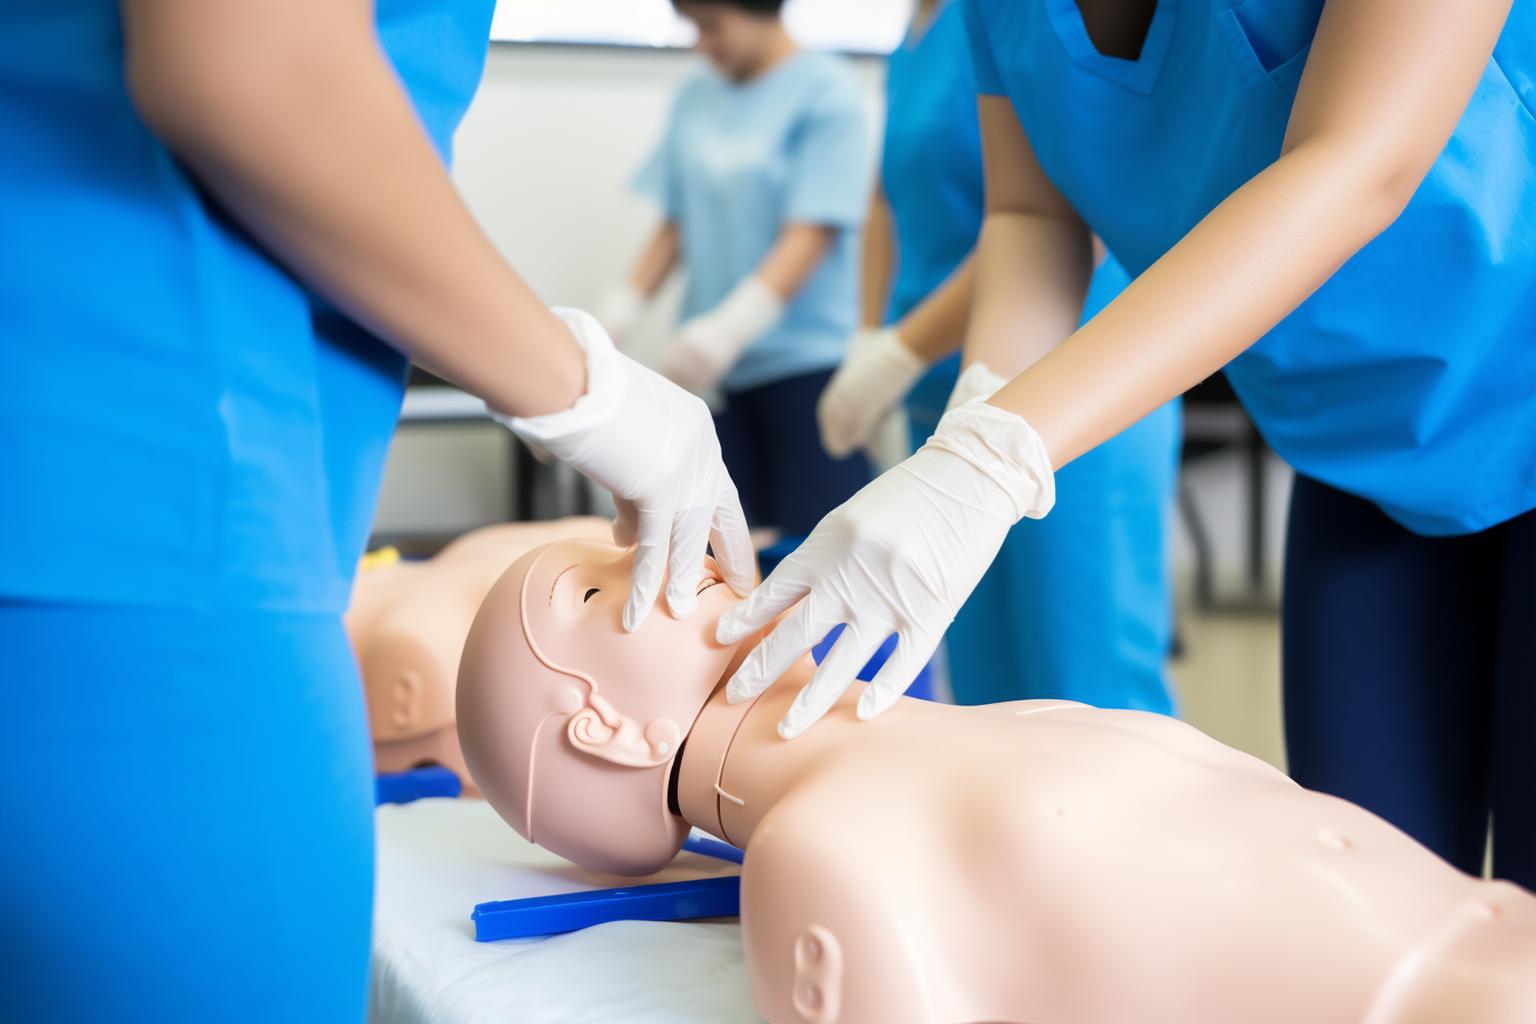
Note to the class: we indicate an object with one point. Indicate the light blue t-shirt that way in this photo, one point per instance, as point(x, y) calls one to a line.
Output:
point(737, 163)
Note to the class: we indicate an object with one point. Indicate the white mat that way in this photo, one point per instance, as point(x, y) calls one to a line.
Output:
point(438, 858)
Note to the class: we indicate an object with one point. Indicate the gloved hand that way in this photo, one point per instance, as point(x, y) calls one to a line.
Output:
point(976, 381)
point(876, 373)
point(619, 310)
point(654, 446)
point(709, 345)
point(900, 556)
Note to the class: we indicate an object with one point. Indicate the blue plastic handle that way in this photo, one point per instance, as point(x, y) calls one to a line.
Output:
point(403, 787)
point(707, 847)
point(573, 911)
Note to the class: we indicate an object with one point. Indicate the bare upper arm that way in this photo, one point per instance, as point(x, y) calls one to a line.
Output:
point(1387, 80)
point(191, 59)
point(1016, 183)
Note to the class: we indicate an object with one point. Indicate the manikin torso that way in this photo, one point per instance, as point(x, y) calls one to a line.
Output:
point(1033, 862)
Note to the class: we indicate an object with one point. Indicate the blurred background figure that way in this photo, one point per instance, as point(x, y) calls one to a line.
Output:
point(1078, 605)
point(760, 177)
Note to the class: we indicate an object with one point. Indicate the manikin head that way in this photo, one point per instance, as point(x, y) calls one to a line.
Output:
point(569, 725)
point(740, 38)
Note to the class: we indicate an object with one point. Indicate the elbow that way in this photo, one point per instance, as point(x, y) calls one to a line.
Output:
point(1372, 183)
point(200, 99)
point(171, 93)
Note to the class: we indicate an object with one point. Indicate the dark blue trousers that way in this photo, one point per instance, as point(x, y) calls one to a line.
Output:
point(769, 440)
point(1410, 674)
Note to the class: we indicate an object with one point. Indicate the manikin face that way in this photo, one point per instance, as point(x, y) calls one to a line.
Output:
point(583, 586)
point(570, 725)
point(733, 40)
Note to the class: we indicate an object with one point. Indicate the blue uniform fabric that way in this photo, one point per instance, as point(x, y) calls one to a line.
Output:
point(192, 444)
point(1405, 379)
point(739, 161)
point(189, 817)
point(1077, 605)
point(930, 171)
point(1409, 670)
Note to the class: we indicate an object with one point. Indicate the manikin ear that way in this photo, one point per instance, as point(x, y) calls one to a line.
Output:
point(616, 738)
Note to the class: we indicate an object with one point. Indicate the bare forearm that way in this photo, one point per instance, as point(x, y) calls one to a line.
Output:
point(310, 141)
point(877, 262)
point(936, 326)
point(657, 260)
point(794, 257)
point(1239, 272)
point(1032, 273)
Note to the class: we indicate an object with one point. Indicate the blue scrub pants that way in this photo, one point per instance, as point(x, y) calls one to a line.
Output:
point(1410, 674)
point(1079, 605)
point(769, 440)
point(186, 802)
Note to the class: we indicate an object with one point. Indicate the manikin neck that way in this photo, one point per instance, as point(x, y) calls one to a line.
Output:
point(705, 799)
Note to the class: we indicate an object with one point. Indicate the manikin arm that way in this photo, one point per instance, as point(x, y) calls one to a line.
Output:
point(1384, 86)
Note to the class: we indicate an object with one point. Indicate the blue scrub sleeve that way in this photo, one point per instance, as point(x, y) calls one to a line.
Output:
point(829, 164)
point(988, 81)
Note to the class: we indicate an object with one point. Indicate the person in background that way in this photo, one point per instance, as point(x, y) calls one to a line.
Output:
point(225, 228)
point(1078, 606)
point(761, 177)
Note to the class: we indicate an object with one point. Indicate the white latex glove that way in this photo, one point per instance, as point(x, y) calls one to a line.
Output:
point(653, 445)
point(900, 556)
point(709, 345)
point(620, 309)
point(876, 373)
point(976, 381)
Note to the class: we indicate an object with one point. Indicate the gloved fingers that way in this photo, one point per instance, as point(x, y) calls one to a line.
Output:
point(783, 587)
point(685, 561)
point(653, 531)
point(898, 672)
point(832, 420)
point(732, 542)
point(837, 670)
point(772, 658)
point(626, 523)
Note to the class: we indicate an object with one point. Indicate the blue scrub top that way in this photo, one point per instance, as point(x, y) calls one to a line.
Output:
point(1408, 378)
point(930, 169)
point(739, 161)
point(182, 423)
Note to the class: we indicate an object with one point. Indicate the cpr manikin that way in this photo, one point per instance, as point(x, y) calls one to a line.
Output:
point(407, 621)
point(1038, 861)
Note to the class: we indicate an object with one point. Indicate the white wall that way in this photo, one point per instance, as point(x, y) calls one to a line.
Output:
point(545, 157)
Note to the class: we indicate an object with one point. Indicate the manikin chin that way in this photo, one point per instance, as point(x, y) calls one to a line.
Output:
point(1039, 861)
